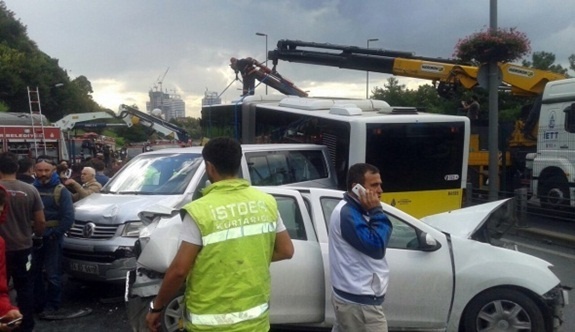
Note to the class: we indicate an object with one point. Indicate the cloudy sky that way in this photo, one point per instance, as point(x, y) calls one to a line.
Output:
point(125, 46)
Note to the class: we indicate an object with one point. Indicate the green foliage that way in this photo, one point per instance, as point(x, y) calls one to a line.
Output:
point(506, 115)
point(425, 97)
point(191, 125)
point(24, 65)
point(3, 107)
point(544, 61)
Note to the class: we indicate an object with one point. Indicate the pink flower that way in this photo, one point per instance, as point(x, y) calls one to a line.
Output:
point(503, 45)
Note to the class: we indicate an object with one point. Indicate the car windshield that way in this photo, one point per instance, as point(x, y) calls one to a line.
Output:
point(155, 174)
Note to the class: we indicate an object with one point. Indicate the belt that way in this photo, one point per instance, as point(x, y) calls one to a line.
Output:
point(52, 223)
point(361, 299)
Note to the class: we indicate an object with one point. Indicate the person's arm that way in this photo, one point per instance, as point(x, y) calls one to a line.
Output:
point(370, 238)
point(66, 209)
point(76, 187)
point(39, 223)
point(173, 280)
point(94, 187)
point(283, 247)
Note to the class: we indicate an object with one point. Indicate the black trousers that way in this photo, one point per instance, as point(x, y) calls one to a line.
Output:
point(18, 265)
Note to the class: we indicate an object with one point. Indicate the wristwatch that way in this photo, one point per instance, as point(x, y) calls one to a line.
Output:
point(154, 309)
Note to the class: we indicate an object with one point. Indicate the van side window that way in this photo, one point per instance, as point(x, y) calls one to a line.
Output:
point(570, 118)
point(286, 167)
point(291, 216)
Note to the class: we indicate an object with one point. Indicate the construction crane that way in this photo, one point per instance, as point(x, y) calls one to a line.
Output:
point(160, 81)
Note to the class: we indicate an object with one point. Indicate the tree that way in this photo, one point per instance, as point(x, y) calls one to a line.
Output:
point(24, 66)
point(572, 61)
point(544, 61)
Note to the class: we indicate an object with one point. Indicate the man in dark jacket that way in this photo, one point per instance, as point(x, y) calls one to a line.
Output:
point(59, 211)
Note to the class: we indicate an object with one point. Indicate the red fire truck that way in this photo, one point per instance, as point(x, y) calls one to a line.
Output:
point(31, 135)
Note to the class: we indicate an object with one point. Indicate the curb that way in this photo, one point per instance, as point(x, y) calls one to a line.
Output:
point(543, 235)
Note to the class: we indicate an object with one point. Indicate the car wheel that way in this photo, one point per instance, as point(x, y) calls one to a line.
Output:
point(173, 315)
point(503, 310)
point(554, 192)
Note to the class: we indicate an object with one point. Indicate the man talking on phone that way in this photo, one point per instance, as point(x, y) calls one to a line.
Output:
point(359, 232)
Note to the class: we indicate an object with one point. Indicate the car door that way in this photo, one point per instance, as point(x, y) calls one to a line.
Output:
point(298, 283)
point(421, 282)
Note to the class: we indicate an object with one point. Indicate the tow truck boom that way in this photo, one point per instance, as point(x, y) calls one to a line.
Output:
point(130, 116)
point(448, 73)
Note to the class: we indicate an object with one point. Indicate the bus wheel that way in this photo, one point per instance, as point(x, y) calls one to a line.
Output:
point(554, 192)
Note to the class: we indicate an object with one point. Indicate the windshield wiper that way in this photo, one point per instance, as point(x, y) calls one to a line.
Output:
point(135, 193)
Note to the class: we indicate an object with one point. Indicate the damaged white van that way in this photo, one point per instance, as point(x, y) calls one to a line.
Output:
point(100, 244)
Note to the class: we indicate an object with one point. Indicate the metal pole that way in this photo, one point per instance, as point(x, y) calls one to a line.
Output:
point(493, 114)
point(265, 35)
point(367, 72)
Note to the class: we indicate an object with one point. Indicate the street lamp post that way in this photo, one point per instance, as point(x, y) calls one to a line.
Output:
point(265, 35)
point(367, 72)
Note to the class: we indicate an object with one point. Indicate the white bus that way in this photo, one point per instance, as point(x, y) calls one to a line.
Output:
point(422, 156)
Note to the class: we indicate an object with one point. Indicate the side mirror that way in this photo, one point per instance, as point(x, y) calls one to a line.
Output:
point(427, 242)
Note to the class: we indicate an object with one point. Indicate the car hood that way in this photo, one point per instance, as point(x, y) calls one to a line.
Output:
point(117, 209)
point(464, 222)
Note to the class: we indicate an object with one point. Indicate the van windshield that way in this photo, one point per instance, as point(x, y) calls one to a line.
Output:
point(155, 174)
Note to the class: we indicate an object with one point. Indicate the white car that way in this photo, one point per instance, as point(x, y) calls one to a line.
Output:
point(445, 274)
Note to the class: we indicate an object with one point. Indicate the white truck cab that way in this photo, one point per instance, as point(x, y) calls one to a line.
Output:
point(553, 165)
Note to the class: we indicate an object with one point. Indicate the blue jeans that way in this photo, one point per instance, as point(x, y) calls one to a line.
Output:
point(47, 274)
point(18, 268)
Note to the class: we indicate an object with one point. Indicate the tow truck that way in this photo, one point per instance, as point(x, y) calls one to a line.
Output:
point(130, 116)
point(450, 76)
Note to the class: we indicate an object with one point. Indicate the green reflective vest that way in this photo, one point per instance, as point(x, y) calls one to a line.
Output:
point(229, 287)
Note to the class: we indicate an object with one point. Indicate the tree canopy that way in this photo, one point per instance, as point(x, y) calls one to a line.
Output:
point(25, 66)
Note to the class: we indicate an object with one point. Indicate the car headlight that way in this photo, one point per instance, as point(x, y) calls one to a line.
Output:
point(132, 229)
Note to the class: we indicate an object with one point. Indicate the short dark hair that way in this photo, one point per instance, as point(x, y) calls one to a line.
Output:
point(224, 153)
point(25, 164)
point(98, 164)
point(8, 163)
point(356, 173)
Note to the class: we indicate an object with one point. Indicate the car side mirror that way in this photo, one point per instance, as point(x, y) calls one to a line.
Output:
point(427, 242)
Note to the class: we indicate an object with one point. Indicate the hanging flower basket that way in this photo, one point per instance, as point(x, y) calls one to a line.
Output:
point(503, 45)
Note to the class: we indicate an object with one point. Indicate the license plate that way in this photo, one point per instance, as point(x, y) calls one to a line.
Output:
point(84, 268)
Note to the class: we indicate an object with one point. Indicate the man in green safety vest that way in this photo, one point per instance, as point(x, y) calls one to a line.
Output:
point(229, 238)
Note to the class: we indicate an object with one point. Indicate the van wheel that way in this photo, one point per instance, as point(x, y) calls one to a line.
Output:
point(173, 315)
point(554, 192)
point(503, 310)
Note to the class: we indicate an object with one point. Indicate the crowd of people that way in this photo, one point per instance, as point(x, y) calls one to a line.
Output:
point(36, 211)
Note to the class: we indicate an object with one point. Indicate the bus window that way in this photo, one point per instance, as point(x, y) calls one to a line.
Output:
point(222, 120)
point(286, 127)
point(416, 156)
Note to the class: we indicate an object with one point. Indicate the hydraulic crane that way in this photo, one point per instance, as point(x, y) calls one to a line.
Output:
point(250, 70)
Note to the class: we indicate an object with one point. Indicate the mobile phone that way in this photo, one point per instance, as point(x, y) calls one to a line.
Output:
point(68, 173)
point(358, 190)
point(13, 323)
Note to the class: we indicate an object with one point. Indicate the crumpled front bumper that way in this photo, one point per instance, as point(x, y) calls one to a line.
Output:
point(139, 291)
point(557, 298)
